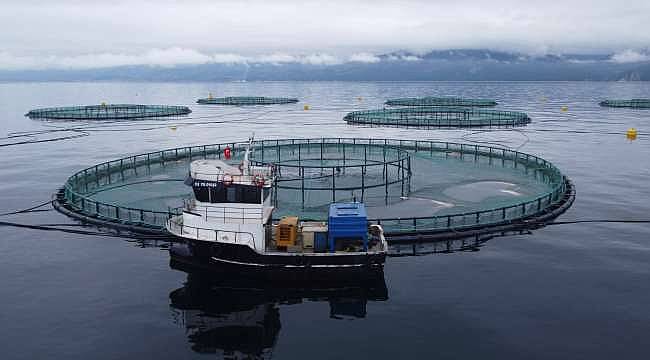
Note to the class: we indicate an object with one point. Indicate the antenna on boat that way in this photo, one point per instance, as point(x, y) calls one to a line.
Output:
point(246, 161)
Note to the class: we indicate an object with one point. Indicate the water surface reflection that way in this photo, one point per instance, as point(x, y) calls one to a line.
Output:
point(238, 319)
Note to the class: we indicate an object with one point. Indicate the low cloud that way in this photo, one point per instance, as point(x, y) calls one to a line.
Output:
point(365, 58)
point(320, 59)
point(410, 58)
point(630, 56)
point(222, 59)
point(276, 58)
point(169, 57)
point(402, 57)
point(155, 57)
point(178, 56)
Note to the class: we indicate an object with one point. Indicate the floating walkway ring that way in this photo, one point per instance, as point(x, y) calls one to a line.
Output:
point(77, 198)
point(632, 103)
point(441, 101)
point(438, 117)
point(246, 100)
point(108, 111)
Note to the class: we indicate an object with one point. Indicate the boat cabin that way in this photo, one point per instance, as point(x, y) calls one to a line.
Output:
point(231, 203)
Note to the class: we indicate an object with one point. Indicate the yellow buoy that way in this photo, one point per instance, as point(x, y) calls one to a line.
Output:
point(565, 108)
point(172, 128)
point(631, 134)
point(306, 107)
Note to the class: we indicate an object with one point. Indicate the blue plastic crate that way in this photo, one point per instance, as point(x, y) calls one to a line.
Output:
point(347, 220)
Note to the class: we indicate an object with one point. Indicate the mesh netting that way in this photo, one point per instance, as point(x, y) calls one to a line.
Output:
point(108, 111)
point(440, 101)
point(313, 174)
point(633, 103)
point(407, 185)
point(246, 100)
point(438, 117)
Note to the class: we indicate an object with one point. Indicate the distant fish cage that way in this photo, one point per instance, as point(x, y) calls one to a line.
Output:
point(108, 111)
point(632, 103)
point(246, 100)
point(438, 117)
point(440, 101)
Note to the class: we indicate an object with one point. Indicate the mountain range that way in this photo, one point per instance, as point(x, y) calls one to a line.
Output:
point(442, 65)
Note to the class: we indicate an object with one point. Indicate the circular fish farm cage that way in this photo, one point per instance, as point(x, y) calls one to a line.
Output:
point(246, 100)
point(438, 117)
point(441, 101)
point(417, 190)
point(108, 111)
point(632, 103)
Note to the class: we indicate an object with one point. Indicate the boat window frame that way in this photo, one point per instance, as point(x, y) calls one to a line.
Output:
point(231, 194)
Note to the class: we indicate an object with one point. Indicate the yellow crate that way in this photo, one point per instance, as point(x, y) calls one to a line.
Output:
point(287, 231)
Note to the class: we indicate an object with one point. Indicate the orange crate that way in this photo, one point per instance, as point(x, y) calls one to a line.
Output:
point(287, 231)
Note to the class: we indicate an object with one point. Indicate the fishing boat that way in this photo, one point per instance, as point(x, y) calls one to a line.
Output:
point(228, 227)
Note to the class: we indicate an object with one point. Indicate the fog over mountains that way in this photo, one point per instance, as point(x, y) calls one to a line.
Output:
point(449, 65)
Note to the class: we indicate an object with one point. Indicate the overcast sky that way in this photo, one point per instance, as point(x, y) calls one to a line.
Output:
point(92, 33)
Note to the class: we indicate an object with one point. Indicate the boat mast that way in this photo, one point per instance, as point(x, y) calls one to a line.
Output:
point(246, 162)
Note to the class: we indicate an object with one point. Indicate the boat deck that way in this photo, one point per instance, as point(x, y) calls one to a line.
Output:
point(374, 245)
point(176, 227)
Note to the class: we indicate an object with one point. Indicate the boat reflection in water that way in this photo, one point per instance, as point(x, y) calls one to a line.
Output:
point(240, 319)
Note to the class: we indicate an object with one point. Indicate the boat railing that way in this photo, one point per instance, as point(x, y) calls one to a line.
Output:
point(225, 213)
point(246, 179)
point(238, 237)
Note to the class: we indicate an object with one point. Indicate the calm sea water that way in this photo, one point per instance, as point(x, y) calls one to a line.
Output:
point(567, 291)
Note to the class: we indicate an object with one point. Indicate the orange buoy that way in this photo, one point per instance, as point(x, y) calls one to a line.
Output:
point(631, 134)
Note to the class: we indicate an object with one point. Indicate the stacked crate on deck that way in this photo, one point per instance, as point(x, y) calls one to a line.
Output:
point(287, 232)
point(314, 236)
point(347, 222)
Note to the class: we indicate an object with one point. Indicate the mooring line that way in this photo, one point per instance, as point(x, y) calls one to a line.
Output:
point(619, 221)
point(31, 209)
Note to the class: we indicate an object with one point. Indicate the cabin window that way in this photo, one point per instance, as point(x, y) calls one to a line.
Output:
point(202, 194)
point(218, 193)
point(250, 194)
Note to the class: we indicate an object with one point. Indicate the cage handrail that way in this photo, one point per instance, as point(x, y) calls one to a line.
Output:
point(555, 179)
point(549, 195)
point(444, 116)
point(108, 111)
point(246, 100)
point(439, 101)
